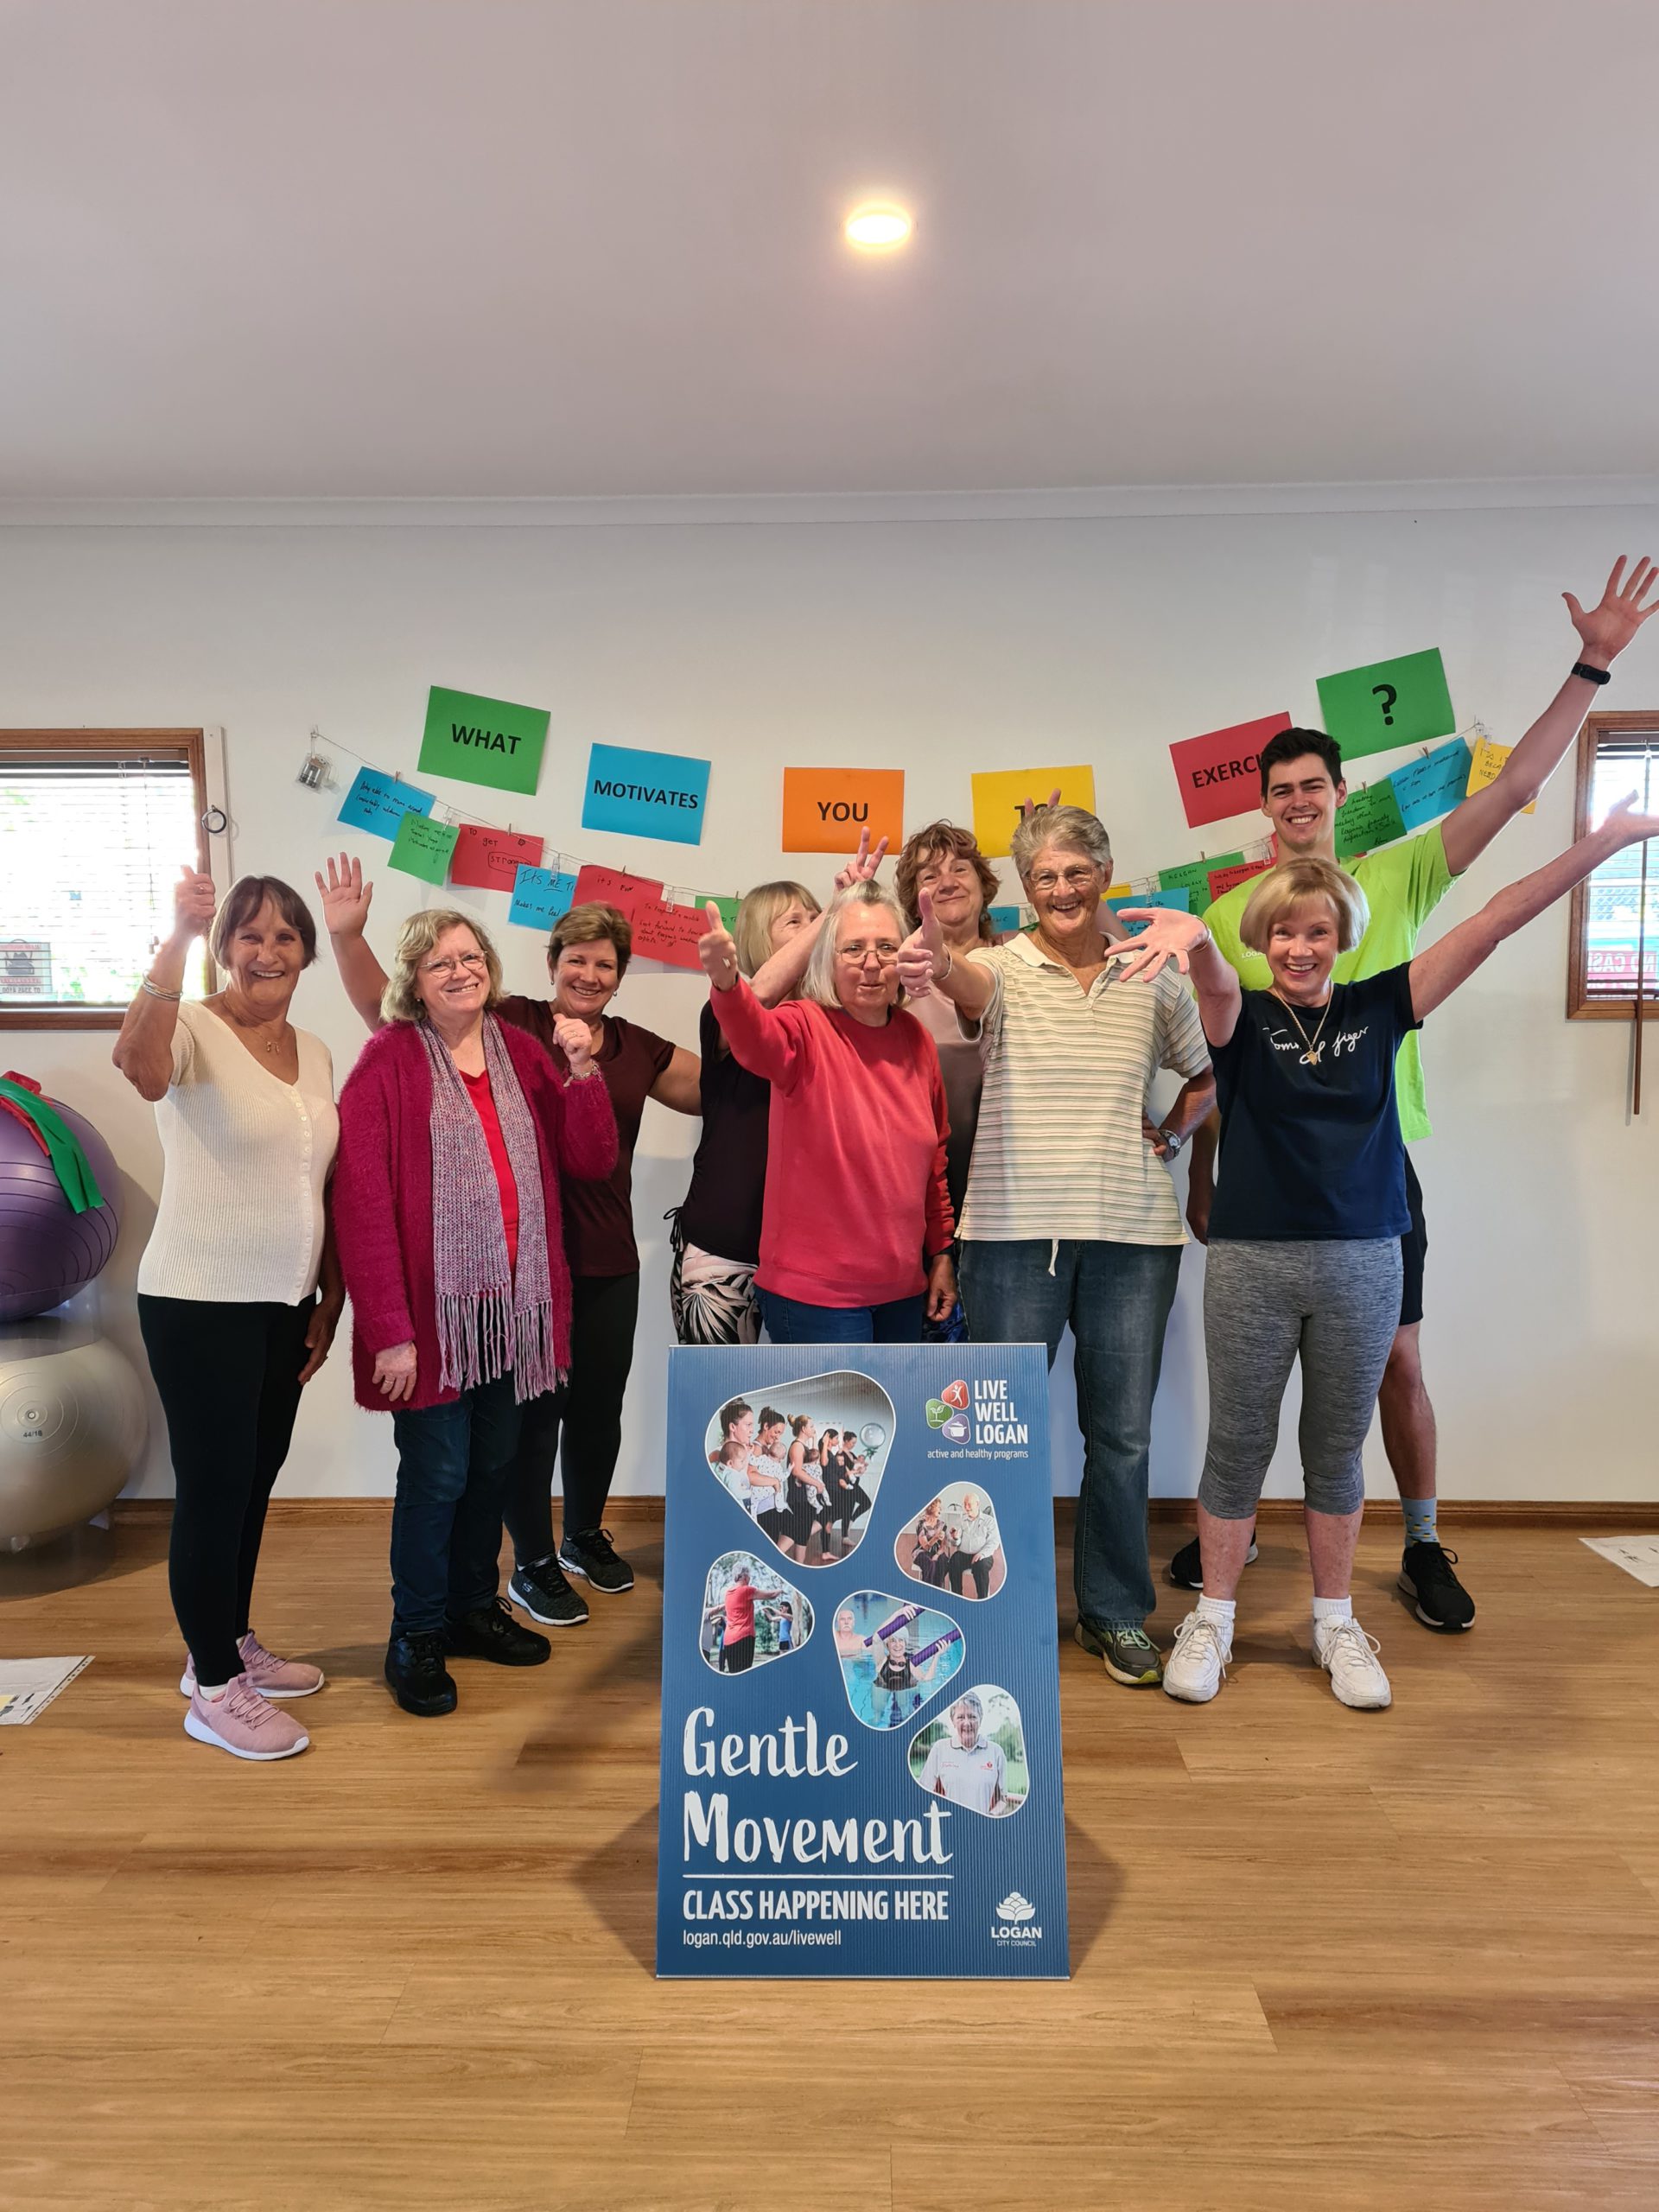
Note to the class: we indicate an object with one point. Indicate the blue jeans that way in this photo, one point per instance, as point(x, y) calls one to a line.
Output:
point(1116, 1298)
point(446, 1521)
point(789, 1321)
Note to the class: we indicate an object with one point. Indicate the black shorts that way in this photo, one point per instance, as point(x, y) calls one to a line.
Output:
point(1414, 1249)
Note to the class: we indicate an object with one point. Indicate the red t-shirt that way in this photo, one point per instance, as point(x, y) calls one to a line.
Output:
point(739, 1611)
point(477, 1090)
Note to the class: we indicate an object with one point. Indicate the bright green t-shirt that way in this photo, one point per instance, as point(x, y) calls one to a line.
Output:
point(1402, 883)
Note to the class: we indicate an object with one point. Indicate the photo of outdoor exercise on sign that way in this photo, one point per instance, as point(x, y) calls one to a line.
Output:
point(895, 1655)
point(954, 1543)
point(973, 1754)
point(804, 1460)
point(750, 1614)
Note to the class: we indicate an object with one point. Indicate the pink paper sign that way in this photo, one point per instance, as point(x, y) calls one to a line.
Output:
point(669, 933)
point(1218, 772)
point(489, 860)
point(610, 887)
point(1222, 880)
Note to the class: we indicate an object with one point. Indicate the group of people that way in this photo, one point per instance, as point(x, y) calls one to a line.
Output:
point(976, 1111)
point(951, 1549)
point(799, 1487)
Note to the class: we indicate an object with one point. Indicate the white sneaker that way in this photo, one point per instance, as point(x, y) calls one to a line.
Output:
point(1349, 1656)
point(1198, 1660)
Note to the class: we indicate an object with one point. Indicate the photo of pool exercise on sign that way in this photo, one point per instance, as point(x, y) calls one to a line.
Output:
point(895, 1654)
point(805, 1461)
point(954, 1543)
point(973, 1754)
point(750, 1614)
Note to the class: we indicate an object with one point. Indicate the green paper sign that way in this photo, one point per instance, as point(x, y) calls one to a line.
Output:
point(1369, 818)
point(1193, 878)
point(1392, 702)
point(422, 846)
point(483, 740)
point(728, 906)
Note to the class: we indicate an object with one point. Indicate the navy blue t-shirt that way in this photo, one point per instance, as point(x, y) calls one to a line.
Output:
point(1310, 1143)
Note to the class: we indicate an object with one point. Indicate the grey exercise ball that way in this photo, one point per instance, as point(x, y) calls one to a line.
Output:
point(73, 1424)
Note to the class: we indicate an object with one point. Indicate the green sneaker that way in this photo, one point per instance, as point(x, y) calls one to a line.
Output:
point(1129, 1652)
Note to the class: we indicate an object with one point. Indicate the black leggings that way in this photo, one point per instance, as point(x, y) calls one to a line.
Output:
point(228, 1376)
point(585, 1417)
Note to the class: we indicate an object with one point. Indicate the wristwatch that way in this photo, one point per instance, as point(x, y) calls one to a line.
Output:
point(1173, 1139)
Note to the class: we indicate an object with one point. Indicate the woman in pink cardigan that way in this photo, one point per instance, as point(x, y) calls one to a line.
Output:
point(454, 1130)
point(855, 1230)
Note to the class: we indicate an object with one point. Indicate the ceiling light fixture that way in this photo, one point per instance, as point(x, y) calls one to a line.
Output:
point(879, 227)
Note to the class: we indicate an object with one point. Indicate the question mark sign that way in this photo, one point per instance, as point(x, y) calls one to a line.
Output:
point(1387, 693)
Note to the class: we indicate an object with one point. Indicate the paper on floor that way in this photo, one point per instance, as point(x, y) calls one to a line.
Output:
point(28, 1686)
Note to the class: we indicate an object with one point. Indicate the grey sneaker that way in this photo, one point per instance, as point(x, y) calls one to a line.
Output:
point(1129, 1652)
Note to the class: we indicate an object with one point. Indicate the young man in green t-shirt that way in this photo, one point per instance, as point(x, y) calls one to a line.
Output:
point(1302, 786)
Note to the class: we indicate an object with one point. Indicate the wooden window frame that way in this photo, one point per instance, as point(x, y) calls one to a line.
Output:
point(191, 745)
point(1581, 1006)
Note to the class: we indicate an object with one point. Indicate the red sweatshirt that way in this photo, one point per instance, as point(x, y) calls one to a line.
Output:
point(855, 1190)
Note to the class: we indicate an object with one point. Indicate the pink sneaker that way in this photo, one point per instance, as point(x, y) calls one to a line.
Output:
point(242, 1724)
point(270, 1676)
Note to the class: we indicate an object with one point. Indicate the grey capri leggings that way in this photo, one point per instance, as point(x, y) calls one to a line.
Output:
point(1337, 1304)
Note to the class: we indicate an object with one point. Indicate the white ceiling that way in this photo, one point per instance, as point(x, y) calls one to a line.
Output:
point(487, 248)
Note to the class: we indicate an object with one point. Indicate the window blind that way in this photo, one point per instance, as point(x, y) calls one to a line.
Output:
point(1613, 897)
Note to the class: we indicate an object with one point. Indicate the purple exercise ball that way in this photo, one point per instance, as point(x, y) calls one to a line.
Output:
point(47, 1250)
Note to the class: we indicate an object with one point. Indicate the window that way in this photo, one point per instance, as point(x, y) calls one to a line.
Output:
point(94, 828)
point(1617, 754)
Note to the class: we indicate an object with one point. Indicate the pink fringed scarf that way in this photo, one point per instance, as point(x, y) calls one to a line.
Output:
point(491, 1318)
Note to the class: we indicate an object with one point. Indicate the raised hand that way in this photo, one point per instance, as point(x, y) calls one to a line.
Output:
point(1610, 625)
point(194, 901)
point(1627, 826)
point(345, 898)
point(718, 951)
point(394, 1372)
point(922, 955)
point(862, 866)
point(576, 1041)
point(1169, 936)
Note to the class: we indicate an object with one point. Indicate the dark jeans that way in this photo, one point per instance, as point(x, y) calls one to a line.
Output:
point(446, 1521)
point(790, 1321)
point(960, 1564)
point(580, 1426)
point(228, 1377)
point(1116, 1298)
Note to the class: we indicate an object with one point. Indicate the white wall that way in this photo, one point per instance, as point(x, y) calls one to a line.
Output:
point(943, 646)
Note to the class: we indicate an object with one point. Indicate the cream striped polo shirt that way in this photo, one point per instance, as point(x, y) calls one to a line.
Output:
point(1059, 1150)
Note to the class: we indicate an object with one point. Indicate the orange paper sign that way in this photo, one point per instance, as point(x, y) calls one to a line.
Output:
point(824, 809)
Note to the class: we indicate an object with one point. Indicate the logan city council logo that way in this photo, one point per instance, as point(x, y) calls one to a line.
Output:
point(1016, 1915)
point(948, 1412)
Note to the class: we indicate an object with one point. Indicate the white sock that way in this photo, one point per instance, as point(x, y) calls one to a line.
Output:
point(212, 1691)
point(1221, 1611)
point(1333, 1609)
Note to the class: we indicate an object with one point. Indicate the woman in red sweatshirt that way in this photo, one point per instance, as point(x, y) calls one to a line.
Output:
point(857, 1135)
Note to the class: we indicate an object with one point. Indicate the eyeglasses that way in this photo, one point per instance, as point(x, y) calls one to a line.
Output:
point(884, 951)
point(1074, 878)
point(473, 962)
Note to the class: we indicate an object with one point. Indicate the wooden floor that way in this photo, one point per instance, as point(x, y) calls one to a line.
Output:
point(1322, 1958)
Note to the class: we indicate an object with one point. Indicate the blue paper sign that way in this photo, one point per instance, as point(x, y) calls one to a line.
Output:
point(378, 804)
point(1004, 921)
point(1433, 785)
point(860, 1740)
point(646, 794)
point(539, 897)
point(1180, 900)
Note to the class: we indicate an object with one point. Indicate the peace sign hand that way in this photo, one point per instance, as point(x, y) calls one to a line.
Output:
point(862, 866)
point(194, 901)
point(1028, 807)
point(718, 951)
point(921, 955)
point(1610, 625)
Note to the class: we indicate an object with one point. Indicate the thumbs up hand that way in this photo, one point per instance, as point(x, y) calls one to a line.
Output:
point(718, 951)
point(922, 960)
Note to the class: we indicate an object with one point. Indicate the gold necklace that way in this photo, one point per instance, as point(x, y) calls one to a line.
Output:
point(1311, 1056)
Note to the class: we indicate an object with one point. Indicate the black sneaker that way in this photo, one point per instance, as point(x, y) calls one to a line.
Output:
point(542, 1592)
point(1185, 1570)
point(415, 1674)
point(492, 1633)
point(590, 1553)
point(1438, 1599)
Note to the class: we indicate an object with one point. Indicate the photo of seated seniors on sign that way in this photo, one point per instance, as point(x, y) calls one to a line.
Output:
point(954, 1543)
point(895, 1654)
point(804, 1460)
point(974, 1755)
point(750, 1615)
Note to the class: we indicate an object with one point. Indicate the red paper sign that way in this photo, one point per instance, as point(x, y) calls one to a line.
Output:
point(610, 887)
point(1222, 880)
point(669, 933)
point(489, 860)
point(1218, 773)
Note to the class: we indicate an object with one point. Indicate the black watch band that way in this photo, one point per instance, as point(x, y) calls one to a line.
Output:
point(1592, 675)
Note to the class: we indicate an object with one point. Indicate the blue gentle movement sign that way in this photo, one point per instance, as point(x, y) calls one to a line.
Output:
point(861, 1734)
point(378, 804)
point(646, 794)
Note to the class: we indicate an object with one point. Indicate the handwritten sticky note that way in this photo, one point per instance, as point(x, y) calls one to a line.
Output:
point(1223, 879)
point(999, 796)
point(423, 847)
point(1432, 784)
point(646, 794)
point(728, 906)
point(1219, 772)
point(1486, 764)
point(1369, 818)
point(825, 809)
point(1192, 877)
point(482, 741)
point(540, 895)
point(489, 860)
point(378, 804)
point(669, 934)
point(609, 886)
point(1006, 921)
point(1387, 703)
point(1180, 901)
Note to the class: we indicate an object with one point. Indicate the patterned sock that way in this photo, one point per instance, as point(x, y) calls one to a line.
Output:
point(1420, 1520)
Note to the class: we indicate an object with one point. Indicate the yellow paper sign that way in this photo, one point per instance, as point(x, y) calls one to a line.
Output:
point(998, 799)
point(1486, 760)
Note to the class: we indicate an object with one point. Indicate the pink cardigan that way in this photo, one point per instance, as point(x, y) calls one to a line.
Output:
point(382, 1195)
point(855, 1190)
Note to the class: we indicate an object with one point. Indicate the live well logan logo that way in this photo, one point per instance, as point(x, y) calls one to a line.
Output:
point(988, 1418)
point(1016, 1917)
